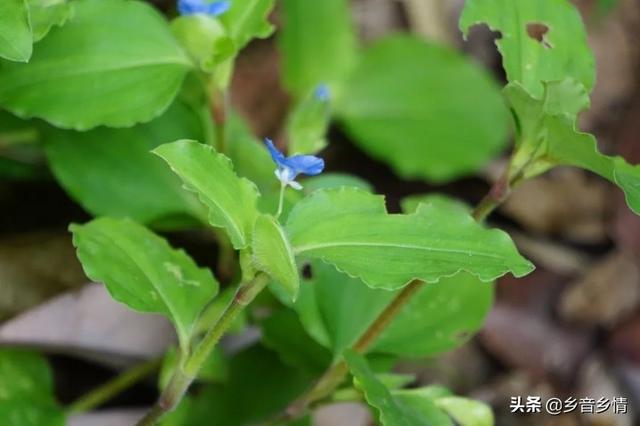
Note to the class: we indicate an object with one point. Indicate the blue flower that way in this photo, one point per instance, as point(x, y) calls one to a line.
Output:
point(192, 7)
point(290, 167)
point(322, 93)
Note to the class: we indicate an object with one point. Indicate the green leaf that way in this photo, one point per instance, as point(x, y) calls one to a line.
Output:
point(440, 317)
point(247, 19)
point(232, 201)
point(393, 411)
point(405, 104)
point(26, 390)
point(318, 43)
point(204, 38)
point(45, 14)
point(284, 333)
point(272, 254)
point(112, 171)
point(98, 70)
point(141, 270)
point(466, 412)
point(541, 40)
point(255, 374)
point(307, 125)
point(548, 135)
point(335, 180)
point(15, 31)
point(351, 229)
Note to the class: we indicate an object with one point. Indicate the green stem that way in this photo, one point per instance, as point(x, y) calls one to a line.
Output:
point(187, 371)
point(336, 374)
point(281, 200)
point(219, 115)
point(108, 390)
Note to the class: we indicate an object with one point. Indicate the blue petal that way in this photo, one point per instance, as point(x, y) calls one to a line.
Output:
point(219, 7)
point(276, 155)
point(192, 7)
point(305, 164)
point(322, 93)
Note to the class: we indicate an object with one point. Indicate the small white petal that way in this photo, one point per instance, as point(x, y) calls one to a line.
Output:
point(295, 185)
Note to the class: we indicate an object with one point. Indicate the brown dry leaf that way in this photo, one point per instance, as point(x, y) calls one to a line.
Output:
point(89, 323)
point(563, 202)
point(33, 268)
point(608, 292)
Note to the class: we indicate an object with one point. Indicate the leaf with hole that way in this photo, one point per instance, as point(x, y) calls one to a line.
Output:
point(141, 270)
point(540, 40)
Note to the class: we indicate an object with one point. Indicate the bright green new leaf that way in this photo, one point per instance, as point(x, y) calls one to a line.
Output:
point(307, 125)
point(26, 390)
point(541, 40)
point(247, 19)
point(115, 63)
point(232, 201)
point(465, 411)
point(112, 172)
point(392, 410)
point(318, 43)
point(204, 38)
point(408, 104)
point(16, 39)
point(45, 14)
point(141, 270)
point(547, 133)
point(351, 229)
point(440, 317)
point(272, 254)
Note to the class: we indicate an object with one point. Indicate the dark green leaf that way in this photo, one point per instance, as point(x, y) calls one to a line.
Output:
point(113, 172)
point(318, 43)
point(26, 390)
point(406, 103)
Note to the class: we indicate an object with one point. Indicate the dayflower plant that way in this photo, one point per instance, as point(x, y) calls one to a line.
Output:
point(193, 7)
point(377, 279)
